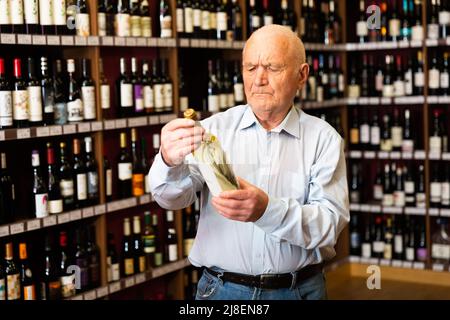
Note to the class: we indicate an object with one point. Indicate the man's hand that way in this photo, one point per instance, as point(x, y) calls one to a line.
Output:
point(179, 138)
point(246, 204)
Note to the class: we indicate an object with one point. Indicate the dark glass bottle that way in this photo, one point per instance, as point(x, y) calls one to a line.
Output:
point(66, 182)
point(48, 93)
point(55, 202)
point(80, 175)
point(92, 173)
point(40, 193)
point(124, 169)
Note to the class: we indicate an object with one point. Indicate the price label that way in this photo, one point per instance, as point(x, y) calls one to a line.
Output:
point(403, 44)
point(363, 101)
point(69, 129)
point(97, 126)
point(395, 155)
point(88, 212)
point(132, 202)
point(91, 295)
point(144, 199)
point(100, 209)
point(438, 267)
point(140, 278)
point(23, 133)
point(369, 154)
point(385, 262)
point(113, 206)
point(355, 154)
point(445, 212)
point(354, 259)
point(137, 122)
point(93, 41)
point(365, 208)
point(419, 265)
point(39, 40)
point(75, 215)
point(141, 42)
point(383, 155)
point(152, 42)
point(53, 40)
point(433, 211)
point(49, 221)
point(110, 124)
point(17, 228)
point(397, 263)
point(153, 120)
point(102, 292)
point(24, 39)
point(4, 231)
point(63, 218)
point(365, 260)
point(80, 41)
point(385, 100)
point(434, 155)
point(160, 42)
point(407, 264)
point(407, 155)
point(8, 38)
point(432, 99)
point(203, 43)
point(431, 42)
point(34, 224)
point(107, 41)
point(131, 42)
point(121, 123)
point(42, 132)
point(172, 43)
point(354, 207)
point(119, 41)
point(184, 43)
point(195, 43)
point(84, 127)
point(375, 209)
point(67, 40)
point(55, 130)
point(374, 261)
point(2, 135)
point(446, 156)
point(114, 287)
point(77, 297)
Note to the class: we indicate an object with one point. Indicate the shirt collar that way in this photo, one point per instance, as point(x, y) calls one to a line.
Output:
point(290, 124)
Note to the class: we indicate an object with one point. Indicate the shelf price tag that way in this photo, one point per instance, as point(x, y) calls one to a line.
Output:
point(397, 263)
point(4, 231)
point(67, 40)
point(375, 208)
point(80, 41)
point(23, 133)
point(77, 297)
point(17, 228)
point(140, 278)
point(153, 120)
point(433, 211)
point(102, 292)
point(141, 42)
point(93, 41)
point(34, 224)
point(42, 132)
point(446, 156)
point(121, 123)
point(70, 129)
point(369, 154)
point(63, 218)
point(107, 41)
point(119, 41)
point(7, 38)
point(88, 212)
point(91, 295)
point(114, 287)
point(144, 199)
point(438, 267)
point(75, 215)
point(385, 262)
point(419, 265)
point(137, 122)
point(55, 130)
point(131, 42)
point(445, 212)
point(110, 124)
point(129, 282)
point(407, 264)
point(97, 126)
point(53, 40)
point(84, 127)
point(365, 208)
point(354, 207)
point(152, 42)
point(23, 39)
point(100, 209)
point(2, 135)
point(39, 40)
point(184, 43)
point(354, 259)
point(49, 221)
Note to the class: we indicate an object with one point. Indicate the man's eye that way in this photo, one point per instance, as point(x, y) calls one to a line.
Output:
point(251, 68)
point(274, 69)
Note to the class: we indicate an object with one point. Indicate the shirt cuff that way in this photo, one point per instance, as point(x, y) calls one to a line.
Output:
point(166, 173)
point(273, 216)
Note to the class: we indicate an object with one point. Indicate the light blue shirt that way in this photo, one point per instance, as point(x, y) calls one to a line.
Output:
point(300, 165)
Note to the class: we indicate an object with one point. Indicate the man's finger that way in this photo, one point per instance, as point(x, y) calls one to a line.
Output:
point(227, 212)
point(187, 133)
point(243, 184)
point(231, 203)
point(179, 123)
point(235, 194)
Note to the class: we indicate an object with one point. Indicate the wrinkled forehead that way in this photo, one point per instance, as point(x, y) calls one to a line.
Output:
point(267, 50)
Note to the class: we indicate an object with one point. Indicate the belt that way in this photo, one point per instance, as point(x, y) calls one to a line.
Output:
point(270, 281)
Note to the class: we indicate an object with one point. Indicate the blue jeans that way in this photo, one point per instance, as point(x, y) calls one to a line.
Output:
point(212, 288)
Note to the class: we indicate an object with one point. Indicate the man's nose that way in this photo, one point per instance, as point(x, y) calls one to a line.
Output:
point(261, 76)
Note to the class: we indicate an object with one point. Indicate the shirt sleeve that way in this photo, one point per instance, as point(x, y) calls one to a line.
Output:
point(319, 221)
point(174, 188)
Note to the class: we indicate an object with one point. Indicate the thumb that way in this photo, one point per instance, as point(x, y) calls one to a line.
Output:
point(244, 184)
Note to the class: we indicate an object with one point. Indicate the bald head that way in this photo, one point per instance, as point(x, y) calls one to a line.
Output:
point(277, 37)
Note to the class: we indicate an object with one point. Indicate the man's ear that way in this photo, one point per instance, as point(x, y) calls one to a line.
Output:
point(303, 75)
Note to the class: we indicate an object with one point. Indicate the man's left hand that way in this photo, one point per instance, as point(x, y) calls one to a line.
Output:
point(246, 204)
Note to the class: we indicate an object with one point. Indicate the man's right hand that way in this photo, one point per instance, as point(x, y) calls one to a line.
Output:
point(179, 138)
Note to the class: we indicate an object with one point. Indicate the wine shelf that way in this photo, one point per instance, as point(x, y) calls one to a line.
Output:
point(131, 281)
point(393, 155)
point(388, 263)
point(75, 215)
point(376, 208)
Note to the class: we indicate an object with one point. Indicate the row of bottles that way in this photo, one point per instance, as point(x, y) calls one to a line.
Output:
point(50, 273)
point(321, 22)
point(263, 13)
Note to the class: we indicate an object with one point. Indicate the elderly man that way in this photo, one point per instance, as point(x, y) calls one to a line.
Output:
point(268, 239)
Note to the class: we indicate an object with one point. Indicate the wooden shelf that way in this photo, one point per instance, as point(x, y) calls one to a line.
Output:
point(393, 155)
point(376, 208)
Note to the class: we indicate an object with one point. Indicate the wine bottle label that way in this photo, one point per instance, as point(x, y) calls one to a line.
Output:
point(366, 250)
point(109, 182)
point(355, 240)
point(398, 244)
point(268, 20)
point(187, 246)
point(238, 92)
point(115, 272)
point(16, 11)
point(101, 22)
point(129, 266)
point(222, 21)
point(354, 136)
point(32, 11)
point(2, 289)
point(40, 201)
point(407, 145)
point(433, 31)
point(122, 25)
point(388, 200)
point(92, 183)
point(148, 97)
point(223, 100)
point(420, 200)
point(59, 12)
point(256, 21)
point(13, 286)
point(20, 104)
point(135, 22)
point(378, 192)
point(173, 252)
point(238, 20)
point(75, 110)
point(138, 98)
point(188, 20)
point(4, 18)
point(354, 91)
point(394, 27)
point(197, 18)
point(212, 21)
point(388, 90)
point(180, 20)
point(61, 113)
point(440, 251)
point(146, 27)
point(444, 18)
point(230, 100)
point(138, 184)
point(184, 103)
point(379, 82)
point(445, 193)
point(126, 95)
point(125, 171)
point(302, 28)
point(409, 187)
point(166, 27)
point(435, 192)
point(83, 24)
point(320, 93)
point(105, 94)
point(29, 293)
point(408, 83)
point(6, 109)
point(158, 259)
point(374, 135)
point(205, 20)
point(158, 91)
point(35, 103)
point(213, 103)
point(419, 79)
point(361, 29)
point(417, 33)
point(68, 286)
point(397, 136)
point(434, 77)
point(365, 133)
point(45, 12)
point(81, 186)
point(49, 102)
point(399, 198)
point(109, 268)
point(386, 145)
point(421, 254)
point(142, 264)
point(435, 144)
point(84, 272)
point(444, 80)
point(355, 196)
point(410, 254)
point(55, 206)
point(67, 188)
point(378, 246)
point(88, 97)
point(147, 184)
point(387, 251)
point(399, 88)
point(149, 243)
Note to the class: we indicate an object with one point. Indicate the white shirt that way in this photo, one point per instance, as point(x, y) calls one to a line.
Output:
point(300, 165)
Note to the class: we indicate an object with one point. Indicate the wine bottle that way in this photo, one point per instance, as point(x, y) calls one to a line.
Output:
point(74, 102)
point(145, 165)
point(48, 93)
point(105, 91)
point(375, 133)
point(55, 202)
point(88, 91)
point(355, 237)
point(138, 251)
point(399, 192)
point(410, 242)
point(213, 89)
point(419, 76)
point(135, 18)
point(108, 178)
point(92, 173)
point(364, 132)
point(158, 254)
point(13, 288)
point(445, 188)
point(101, 18)
point(67, 279)
point(158, 87)
point(40, 194)
point(146, 21)
point(378, 240)
point(66, 180)
point(236, 21)
point(408, 140)
point(398, 251)
point(388, 198)
point(2, 282)
point(80, 174)
point(165, 19)
point(420, 193)
point(206, 20)
point(433, 76)
point(137, 170)
point(168, 88)
point(110, 12)
point(50, 279)
point(435, 188)
point(396, 132)
point(124, 169)
point(147, 89)
point(354, 130)
point(184, 98)
point(20, 98)
point(361, 26)
point(421, 248)
point(188, 19)
point(406, 21)
point(125, 91)
point(212, 7)
point(388, 240)
point(189, 230)
point(26, 274)
point(410, 194)
point(93, 257)
point(180, 19)
point(82, 19)
point(81, 260)
point(7, 202)
point(433, 25)
point(17, 16)
point(5, 18)
point(386, 134)
point(122, 21)
point(60, 95)
point(34, 96)
point(6, 119)
point(31, 15)
point(436, 134)
point(137, 88)
point(378, 186)
point(59, 16)
point(127, 250)
point(148, 238)
point(112, 261)
point(171, 244)
point(238, 85)
point(355, 196)
point(254, 18)
point(222, 20)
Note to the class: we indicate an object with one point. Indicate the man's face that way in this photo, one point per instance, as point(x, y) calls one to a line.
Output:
point(271, 78)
